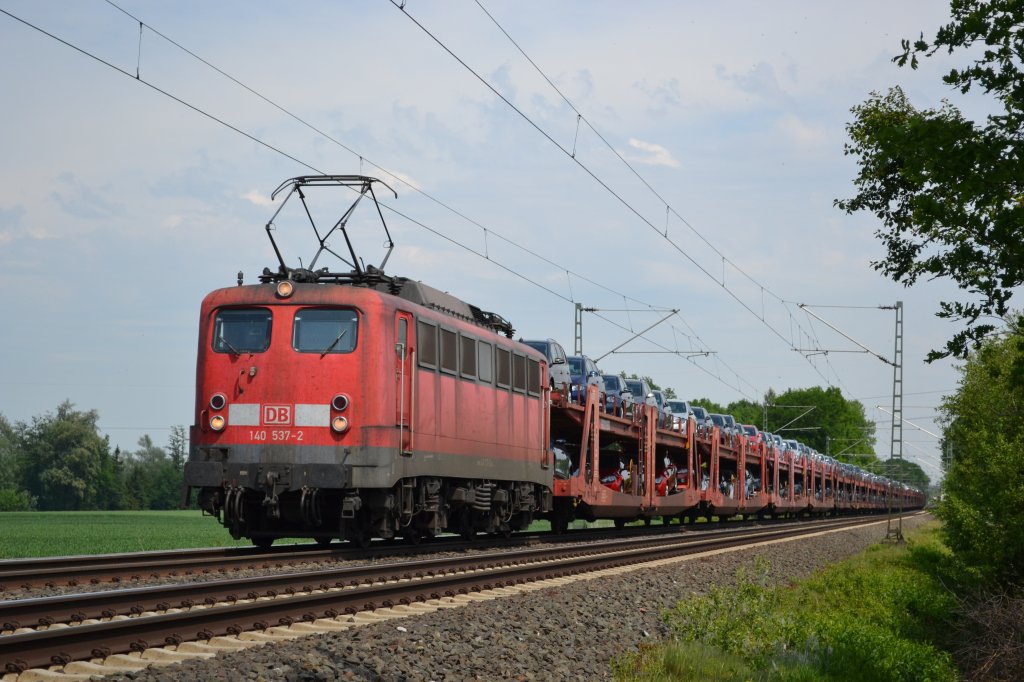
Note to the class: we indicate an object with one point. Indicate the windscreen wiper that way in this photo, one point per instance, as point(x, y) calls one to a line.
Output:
point(220, 337)
point(333, 343)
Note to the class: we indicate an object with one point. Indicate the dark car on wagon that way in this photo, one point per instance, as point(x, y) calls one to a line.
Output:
point(620, 397)
point(583, 372)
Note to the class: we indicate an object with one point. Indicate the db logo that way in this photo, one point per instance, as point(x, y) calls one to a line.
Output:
point(277, 415)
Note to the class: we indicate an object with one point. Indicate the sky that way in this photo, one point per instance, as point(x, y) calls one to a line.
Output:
point(700, 178)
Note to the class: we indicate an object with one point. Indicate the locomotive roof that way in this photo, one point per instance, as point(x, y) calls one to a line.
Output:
point(435, 299)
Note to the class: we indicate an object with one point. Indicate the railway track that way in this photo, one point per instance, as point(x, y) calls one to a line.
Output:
point(111, 623)
point(95, 569)
point(117, 568)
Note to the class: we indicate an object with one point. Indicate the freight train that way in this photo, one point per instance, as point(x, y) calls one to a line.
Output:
point(351, 405)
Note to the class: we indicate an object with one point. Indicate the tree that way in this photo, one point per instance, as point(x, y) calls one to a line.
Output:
point(13, 497)
point(901, 471)
point(983, 505)
point(948, 191)
point(60, 457)
point(747, 412)
point(154, 479)
point(177, 446)
point(709, 405)
point(8, 455)
point(833, 419)
point(669, 392)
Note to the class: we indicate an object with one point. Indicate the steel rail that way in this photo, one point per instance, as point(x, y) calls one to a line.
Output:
point(94, 569)
point(72, 571)
point(76, 608)
point(59, 646)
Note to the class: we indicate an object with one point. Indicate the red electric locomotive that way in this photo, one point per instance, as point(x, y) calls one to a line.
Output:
point(356, 405)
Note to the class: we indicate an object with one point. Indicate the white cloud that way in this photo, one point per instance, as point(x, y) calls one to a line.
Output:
point(172, 221)
point(404, 178)
point(799, 131)
point(257, 198)
point(655, 154)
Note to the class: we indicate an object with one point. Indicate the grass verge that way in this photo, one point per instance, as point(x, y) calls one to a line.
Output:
point(882, 615)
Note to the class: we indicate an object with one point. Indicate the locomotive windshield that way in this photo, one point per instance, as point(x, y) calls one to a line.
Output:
point(325, 330)
point(241, 330)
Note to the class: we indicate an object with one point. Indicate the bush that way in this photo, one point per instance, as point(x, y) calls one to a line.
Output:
point(983, 505)
point(16, 500)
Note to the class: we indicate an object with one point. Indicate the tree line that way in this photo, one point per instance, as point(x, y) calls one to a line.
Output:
point(59, 461)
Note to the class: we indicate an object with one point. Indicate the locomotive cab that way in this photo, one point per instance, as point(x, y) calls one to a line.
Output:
point(353, 405)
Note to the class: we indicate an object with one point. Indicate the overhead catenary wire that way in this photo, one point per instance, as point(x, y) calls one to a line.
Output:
point(482, 254)
point(571, 155)
point(486, 231)
point(637, 174)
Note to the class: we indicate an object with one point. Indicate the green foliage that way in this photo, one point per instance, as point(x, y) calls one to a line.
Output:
point(842, 421)
point(61, 462)
point(12, 499)
point(983, 506)
point(947, 189)
point(901, 470)
point(154, 477)
point(61, 455)
point(709, 405)
point(8, 454)
point(177, 446)
point(882, 616)
point(747, 412)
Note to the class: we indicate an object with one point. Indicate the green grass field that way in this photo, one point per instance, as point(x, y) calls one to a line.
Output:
point(37, 534)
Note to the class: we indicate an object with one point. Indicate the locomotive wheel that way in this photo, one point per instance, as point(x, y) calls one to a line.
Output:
point(467, 530)
point(412, 536)
point(560, 520)
point(323, 540)
point(360, 538)
point(263, 543)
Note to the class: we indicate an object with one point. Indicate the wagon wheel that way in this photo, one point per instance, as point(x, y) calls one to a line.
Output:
point(620, 523)
point(323, 540)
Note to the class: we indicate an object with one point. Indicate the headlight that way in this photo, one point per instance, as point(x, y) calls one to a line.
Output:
point(218, 401)
point(218, 422)
point(285, 289)
point(340, 402)
point(339, 424)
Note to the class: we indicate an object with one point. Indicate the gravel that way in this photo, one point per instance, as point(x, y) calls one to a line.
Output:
point(567, 633)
